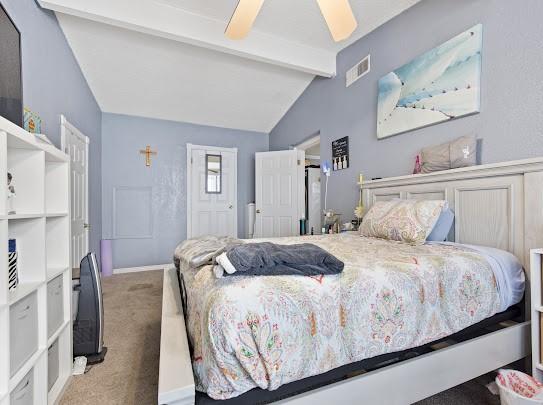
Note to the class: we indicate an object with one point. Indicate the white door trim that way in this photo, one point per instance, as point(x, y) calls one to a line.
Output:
point(66, 125)
point(190, 148)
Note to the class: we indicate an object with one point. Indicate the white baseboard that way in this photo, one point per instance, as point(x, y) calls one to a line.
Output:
point(141, 268)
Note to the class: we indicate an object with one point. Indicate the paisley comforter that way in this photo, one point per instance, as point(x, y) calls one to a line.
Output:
point(263, 332)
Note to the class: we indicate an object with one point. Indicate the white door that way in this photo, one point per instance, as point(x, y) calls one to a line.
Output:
point(76, 145)
point(212, 191)
point(279, 193)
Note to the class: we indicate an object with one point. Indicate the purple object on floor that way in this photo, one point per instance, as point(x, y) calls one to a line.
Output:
point(106, 257)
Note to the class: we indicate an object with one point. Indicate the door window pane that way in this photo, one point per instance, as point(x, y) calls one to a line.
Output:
point(213, 174)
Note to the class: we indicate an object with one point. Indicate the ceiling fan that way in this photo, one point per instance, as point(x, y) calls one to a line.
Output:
point(337, 14)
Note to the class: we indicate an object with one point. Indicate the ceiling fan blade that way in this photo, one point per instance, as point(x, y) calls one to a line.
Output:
point(243, 18)
point(339, 17)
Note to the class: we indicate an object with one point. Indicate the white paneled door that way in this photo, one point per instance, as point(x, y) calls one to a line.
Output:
point(212, 191)
point(76, 145)
point(279, 192)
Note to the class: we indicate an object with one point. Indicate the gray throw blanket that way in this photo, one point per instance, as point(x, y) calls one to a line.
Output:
point(269, 259)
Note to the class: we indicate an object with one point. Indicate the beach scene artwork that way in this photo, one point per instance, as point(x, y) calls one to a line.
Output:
point(438, 86)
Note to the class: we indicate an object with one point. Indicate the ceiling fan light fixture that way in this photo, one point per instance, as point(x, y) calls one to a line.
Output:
point(339, 17)
point(243, 18)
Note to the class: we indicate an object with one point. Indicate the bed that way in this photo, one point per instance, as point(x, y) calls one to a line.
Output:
point(306, 353)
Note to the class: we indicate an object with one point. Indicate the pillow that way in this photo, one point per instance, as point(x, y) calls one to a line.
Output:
point(435, 158)
point(442, 227)
point(409, 221)
point(463, 152)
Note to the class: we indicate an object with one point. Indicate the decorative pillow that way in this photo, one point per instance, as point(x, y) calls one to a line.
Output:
point(435, 158)
point(463, 152)
point(409, 221)
point(442, 227)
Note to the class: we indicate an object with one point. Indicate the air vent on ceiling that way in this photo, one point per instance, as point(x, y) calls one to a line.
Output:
point(358, 70)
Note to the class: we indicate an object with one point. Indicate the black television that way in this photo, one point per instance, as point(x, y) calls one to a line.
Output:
point(11, 88)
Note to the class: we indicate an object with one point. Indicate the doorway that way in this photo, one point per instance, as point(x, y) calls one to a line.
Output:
point(312, 187)
point(76, 145)
point(212, 196)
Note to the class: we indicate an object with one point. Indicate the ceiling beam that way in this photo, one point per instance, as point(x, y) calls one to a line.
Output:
point(162, 20)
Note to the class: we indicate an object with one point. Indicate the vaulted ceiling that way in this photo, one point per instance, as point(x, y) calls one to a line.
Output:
point(169, 59)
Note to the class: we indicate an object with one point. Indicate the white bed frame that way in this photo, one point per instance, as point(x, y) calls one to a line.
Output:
point(498, 205)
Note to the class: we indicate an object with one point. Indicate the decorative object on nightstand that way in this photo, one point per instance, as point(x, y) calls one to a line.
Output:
point(11, 195)
point(13, 277)
point(536, 261)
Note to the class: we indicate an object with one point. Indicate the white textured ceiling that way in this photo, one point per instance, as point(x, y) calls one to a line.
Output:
point(190, 73)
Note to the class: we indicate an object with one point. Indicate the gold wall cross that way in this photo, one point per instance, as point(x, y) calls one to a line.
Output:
point(147, 152)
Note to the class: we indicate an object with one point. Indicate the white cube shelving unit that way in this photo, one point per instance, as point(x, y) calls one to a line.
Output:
point(536, 268)
point(35, 353)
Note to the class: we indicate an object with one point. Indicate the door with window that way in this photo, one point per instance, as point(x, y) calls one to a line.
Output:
point(279, 193)
point(212, 191)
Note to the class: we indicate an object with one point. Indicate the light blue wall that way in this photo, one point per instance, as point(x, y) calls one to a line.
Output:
point(53, 84)
point(151, 203)
point(510, 123)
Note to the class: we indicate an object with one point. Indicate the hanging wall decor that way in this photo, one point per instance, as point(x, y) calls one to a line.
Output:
point(438, 86)
point(340, 153)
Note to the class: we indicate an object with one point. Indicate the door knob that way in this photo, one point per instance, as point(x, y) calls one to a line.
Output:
point(86, 226)
point(258, 211)
point(230, 206)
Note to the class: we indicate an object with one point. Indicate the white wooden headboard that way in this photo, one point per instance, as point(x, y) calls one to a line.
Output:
point(498, 205)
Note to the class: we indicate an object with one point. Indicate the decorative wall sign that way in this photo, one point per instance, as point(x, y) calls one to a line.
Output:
point(438, 86)
point(340, 153)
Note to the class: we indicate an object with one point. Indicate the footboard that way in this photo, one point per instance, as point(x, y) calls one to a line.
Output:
point(175, 380)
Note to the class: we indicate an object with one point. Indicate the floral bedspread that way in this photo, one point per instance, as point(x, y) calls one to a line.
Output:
point(263, 332)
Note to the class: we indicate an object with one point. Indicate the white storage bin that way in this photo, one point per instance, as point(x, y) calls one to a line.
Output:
point(23, 331)
point(55, 305)
point(23, 394)
point(517, 388)
point(52, 365)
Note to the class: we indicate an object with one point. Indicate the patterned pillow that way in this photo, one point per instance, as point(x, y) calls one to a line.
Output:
point(409, 221)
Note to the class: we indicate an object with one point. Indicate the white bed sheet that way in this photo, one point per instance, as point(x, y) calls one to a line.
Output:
point(508, 272)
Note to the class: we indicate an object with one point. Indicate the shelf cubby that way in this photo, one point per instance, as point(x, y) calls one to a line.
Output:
point(64, 363)
point(57, 242)
point(27, 167)
point(56, 188)
point(4, 360)
point(3, 172)
point(4, 262)
point(29, 236)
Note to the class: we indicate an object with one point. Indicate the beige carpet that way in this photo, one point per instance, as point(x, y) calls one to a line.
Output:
point(129, 374)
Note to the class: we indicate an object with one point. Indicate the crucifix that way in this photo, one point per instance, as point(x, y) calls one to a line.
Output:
point(147, 152)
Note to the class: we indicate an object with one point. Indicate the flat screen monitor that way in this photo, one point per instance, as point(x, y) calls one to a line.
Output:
point(11, 89)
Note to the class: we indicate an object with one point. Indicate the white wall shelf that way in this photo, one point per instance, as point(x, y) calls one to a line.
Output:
point(41, 228)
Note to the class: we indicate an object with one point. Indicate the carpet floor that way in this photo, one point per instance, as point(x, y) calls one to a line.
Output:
point(129, 373)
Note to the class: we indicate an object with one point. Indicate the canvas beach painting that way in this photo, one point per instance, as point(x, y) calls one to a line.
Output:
point(438, 86)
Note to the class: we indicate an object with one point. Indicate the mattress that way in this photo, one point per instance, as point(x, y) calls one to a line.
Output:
point(264, 332)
